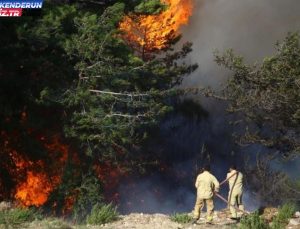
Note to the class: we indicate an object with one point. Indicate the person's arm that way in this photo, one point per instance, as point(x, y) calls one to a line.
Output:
point(216, 184)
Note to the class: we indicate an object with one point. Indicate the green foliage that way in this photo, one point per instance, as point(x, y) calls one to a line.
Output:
point(150, 7)
point(101, 214)
point(17, 216)
point(253, 221)
point(90, 192)
point(181, 217)
point(268, 94)
point(284, 214)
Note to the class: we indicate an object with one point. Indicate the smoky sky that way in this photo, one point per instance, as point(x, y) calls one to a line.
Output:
point(250, 27)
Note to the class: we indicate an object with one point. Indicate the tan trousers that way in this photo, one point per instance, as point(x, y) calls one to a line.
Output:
point(235, 199)
point(209, 206)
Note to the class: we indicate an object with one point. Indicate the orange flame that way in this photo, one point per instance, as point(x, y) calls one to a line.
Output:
point(41, 179)
point(35, 190)
point(147, 33)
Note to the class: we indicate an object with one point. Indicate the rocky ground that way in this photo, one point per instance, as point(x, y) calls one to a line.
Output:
point(294, 222)
point(160, 221)
point(151, 221)
point(138, 221)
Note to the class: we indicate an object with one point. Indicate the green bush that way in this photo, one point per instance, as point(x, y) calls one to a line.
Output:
point(253, 221)
point(15, 217)
point(90, 192)
point(101, 214)
point(181, 218)
point(284, 214)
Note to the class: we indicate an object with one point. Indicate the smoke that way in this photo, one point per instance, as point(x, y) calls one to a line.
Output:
point(155, 194)
point(179, 145)
point(250, 27)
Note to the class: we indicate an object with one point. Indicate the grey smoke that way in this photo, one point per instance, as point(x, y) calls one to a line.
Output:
point(153, 195)
point(250, 27)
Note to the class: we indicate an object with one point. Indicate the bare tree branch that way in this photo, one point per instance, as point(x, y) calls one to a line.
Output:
point(127, 115)
point(118, 94)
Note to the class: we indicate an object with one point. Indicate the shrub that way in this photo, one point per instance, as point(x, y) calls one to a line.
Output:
point(181, 218)
point(253, 221)
point(89, 194)
point(17, 216)
point(284, 214)
point(101, 214)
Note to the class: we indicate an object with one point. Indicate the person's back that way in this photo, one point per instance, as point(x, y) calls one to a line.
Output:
point(206, 185)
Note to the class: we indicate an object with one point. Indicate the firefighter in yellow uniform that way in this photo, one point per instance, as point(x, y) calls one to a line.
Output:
point(235, 180)
point(206, 185)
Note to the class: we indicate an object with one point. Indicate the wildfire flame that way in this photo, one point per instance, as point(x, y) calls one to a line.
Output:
point(40, 179)
point(35, 190)
point(147, 33)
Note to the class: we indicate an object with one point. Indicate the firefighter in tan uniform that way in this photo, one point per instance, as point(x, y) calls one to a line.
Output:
point(235, 180)
point(206, 185)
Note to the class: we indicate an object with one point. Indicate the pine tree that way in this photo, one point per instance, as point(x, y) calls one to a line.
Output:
point(118, 96)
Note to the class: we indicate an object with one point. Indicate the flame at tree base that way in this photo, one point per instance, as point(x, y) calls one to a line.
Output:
point(35, 190)
point(35, 179)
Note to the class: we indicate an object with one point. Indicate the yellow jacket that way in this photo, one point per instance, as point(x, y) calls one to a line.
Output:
point(235, 182)
point(206, 184)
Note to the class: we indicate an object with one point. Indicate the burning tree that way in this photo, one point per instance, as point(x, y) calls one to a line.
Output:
point(106, 105)
point(147, 34)
point(118, 96)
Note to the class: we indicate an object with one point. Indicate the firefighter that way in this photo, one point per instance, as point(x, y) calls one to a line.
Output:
point(206, 185)
point(235, 180)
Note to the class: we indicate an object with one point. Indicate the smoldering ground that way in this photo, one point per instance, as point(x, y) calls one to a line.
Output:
point(251, 28)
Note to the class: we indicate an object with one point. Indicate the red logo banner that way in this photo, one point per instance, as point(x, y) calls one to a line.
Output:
point(10, 12)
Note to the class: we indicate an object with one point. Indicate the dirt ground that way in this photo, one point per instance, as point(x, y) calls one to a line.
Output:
point(160, 221)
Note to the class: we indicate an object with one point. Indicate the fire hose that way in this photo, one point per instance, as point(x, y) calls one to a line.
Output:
point(224, 181)
point(223, 199)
